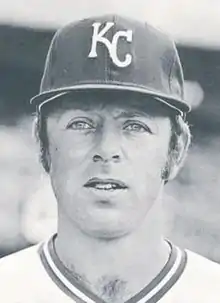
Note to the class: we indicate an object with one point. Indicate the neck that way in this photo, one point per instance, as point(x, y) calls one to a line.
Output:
point(134, 259)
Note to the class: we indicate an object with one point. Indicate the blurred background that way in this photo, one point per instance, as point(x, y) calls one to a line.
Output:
point(192, 201)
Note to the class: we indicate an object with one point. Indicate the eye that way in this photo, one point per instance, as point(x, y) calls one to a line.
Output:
point(139, 127)
point(80, 125)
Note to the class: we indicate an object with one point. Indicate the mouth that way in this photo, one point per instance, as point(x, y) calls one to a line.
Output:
point(105, 184)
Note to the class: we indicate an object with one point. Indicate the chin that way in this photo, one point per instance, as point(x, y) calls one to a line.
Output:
point(106, 234)
point(105, 228)
point(107, 223)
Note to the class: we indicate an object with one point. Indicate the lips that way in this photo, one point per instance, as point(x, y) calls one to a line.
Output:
point(105, 184)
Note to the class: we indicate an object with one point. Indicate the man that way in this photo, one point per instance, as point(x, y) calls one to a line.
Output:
point(112, 131)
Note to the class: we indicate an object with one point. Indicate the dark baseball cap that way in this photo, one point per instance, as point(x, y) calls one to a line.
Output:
point(113, 53)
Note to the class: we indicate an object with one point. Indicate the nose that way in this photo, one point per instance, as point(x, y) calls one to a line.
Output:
point(108, 148)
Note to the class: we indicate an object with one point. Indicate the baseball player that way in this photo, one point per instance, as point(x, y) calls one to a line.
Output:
point(111, 123)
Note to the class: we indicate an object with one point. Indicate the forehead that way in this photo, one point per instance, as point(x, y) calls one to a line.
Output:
point(117, 102)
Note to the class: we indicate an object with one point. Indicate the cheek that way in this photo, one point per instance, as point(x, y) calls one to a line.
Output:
point(71, 164)
point(68, 152)
point(66, 177)
point(148, 156)
point(146, 159)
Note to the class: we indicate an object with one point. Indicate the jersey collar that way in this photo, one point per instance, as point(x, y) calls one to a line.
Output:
point(152, 293)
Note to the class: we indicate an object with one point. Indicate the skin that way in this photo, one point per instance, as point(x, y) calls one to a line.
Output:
point(98, 139)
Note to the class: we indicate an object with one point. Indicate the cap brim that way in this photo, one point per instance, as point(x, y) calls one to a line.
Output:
point(172, 102)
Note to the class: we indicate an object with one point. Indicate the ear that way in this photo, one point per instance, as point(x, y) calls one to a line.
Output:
point(43, 148)
point(45, 158)
point(177, 156)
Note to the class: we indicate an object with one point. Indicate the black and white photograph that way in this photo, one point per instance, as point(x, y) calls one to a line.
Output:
point(109, 151)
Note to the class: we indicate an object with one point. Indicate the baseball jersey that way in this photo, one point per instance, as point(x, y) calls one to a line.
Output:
point(35, 275)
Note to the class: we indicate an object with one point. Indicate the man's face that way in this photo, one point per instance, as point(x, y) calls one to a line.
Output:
point(107, 160)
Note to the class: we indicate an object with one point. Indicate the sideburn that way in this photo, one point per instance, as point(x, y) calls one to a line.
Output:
point(165, 173)
point(42, 137)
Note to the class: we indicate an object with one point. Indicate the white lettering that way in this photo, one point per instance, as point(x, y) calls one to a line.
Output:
point(128, 57)
point(111, 46)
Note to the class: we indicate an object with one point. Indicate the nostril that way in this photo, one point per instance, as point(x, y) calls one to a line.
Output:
point(97, 158)
point(116, 157)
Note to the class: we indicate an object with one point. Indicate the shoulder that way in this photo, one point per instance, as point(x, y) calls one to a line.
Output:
point(199, 281)
point(201, 267)
point(23, 279)
point(23, 260)
point(21, 274)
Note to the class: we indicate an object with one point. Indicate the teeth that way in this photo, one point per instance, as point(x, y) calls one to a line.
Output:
point(105, 186)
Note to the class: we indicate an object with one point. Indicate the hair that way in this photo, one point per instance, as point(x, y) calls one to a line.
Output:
point(179, 141)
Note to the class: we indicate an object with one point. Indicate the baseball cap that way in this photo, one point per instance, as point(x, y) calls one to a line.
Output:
point(113, 52)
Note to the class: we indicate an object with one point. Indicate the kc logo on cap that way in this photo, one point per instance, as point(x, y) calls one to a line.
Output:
point(98, 36)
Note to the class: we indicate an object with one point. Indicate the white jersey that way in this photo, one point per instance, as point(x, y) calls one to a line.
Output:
point(35, 275)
